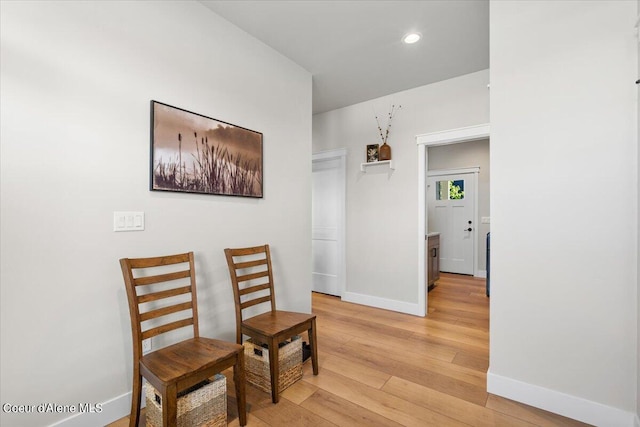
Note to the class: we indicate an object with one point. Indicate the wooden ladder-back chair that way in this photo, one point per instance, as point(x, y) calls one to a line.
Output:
point(252, 279)
point(162, 298)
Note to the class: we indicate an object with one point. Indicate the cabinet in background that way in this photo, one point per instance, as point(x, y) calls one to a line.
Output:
point(433, 259)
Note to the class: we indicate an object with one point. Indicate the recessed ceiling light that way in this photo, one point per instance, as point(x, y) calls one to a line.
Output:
point(411, 38)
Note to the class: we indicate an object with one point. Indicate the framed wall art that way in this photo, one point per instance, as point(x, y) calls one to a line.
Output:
point(373, 151)
point(192, 153)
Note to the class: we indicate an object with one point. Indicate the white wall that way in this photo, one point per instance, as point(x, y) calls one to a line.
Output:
point(468, 154)
point(77, 78)
point(638, 243)
point(382, 208)
point(637, 421)
point(564, 207)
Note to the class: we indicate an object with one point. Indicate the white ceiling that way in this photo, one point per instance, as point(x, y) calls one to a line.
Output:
point(353, 49)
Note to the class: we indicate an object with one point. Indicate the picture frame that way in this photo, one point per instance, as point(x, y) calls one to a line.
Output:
point(373, 151)
point(193, 153)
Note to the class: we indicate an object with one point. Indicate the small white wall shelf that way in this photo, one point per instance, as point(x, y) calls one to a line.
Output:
point(386, 163)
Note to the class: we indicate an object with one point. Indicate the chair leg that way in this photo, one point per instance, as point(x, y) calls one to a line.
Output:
point(136, 391)
point(274, 370)
point(238, 380)
point(313, 343)
point(170, 406)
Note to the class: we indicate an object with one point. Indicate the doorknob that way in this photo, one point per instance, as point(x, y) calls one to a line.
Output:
point(468, 229)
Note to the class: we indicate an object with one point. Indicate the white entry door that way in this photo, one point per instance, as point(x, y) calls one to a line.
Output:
point(327, 222)
point(451, 212)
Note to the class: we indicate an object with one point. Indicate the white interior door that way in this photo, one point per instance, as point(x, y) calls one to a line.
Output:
point(451, 212)
point(327, 223)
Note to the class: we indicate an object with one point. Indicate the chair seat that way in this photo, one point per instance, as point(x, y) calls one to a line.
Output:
point(278, 323)
point(178, 361)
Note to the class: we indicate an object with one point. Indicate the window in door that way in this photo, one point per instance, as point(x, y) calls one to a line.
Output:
point(450, 190)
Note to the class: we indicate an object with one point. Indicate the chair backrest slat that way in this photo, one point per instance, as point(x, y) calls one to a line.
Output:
point(161, 260)
point(253, 276)
point(246, 267)
point(255, 288)
point(150, 280)
point(248, 264)
point(149, 333)
point(255, 301)
point(154, 296)
point(154, 314)
point(162, 296)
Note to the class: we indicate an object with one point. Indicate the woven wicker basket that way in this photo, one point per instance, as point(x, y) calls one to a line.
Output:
point(205, 406)
point(257, 364)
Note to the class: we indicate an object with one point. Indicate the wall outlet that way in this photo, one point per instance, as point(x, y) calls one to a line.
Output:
point(146, 346)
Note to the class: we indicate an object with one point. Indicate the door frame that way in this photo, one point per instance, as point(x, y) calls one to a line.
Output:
point(473, 172)
point(340, 155)
point(446, 137)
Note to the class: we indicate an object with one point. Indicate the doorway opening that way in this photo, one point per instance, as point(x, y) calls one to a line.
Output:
point(449, 137)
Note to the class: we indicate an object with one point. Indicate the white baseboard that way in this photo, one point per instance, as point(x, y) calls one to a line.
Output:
point(110, 411)
point(387, 304)
point(563, 404)
point(481, 273)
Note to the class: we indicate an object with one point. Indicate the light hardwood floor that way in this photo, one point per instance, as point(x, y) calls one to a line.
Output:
point(382, 368)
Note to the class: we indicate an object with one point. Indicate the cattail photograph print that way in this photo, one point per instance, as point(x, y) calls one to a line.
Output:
point(193, 153)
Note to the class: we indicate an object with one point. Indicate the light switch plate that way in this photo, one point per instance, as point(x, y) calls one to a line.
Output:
point(485, 220)
point(128, 221)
